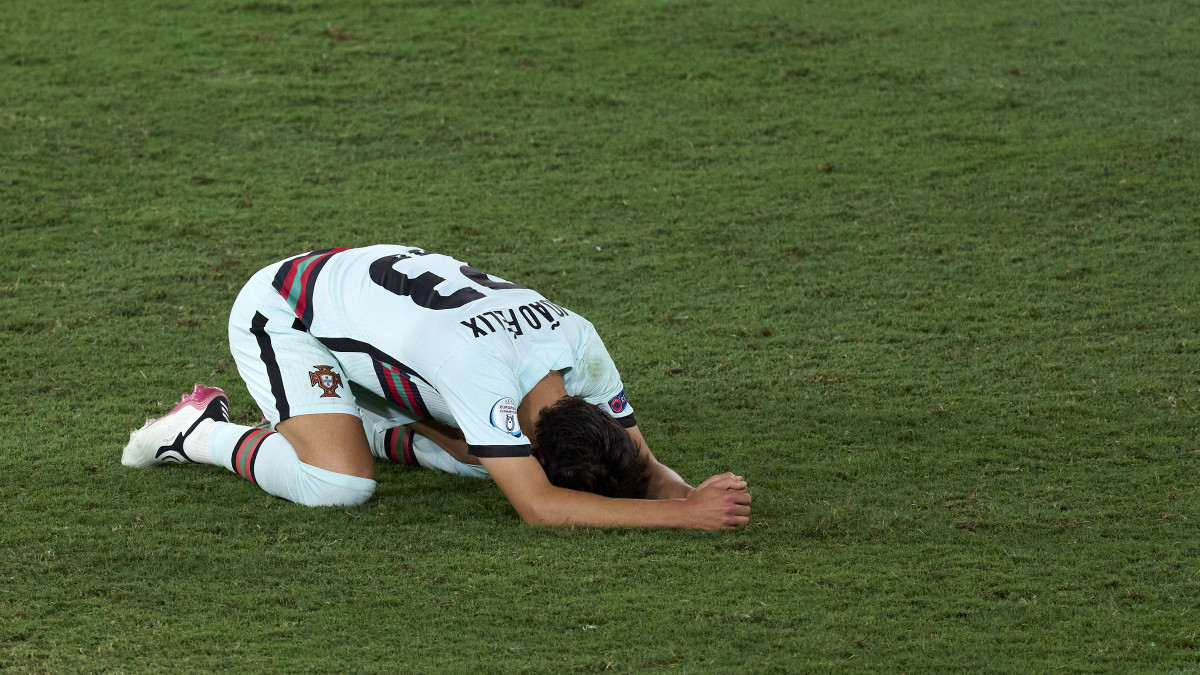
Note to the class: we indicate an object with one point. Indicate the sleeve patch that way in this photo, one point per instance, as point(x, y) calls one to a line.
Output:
point(504, 417)
point(618, 403)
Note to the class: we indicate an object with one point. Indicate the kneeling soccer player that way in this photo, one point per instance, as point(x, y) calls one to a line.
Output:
point(449, 344)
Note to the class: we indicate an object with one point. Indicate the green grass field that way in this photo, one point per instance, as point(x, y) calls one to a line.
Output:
point(925, 273)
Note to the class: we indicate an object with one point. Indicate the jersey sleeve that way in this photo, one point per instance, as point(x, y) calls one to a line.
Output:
point(483, 396)
point(596, 380)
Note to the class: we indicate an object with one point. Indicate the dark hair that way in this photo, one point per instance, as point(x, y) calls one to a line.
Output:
point(582, 448)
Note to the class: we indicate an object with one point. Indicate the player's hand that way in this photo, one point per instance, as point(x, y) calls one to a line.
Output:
point(719, 503)
point(737, 483)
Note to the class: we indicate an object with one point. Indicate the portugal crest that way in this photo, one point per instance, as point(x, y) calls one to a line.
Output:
point(327, 380)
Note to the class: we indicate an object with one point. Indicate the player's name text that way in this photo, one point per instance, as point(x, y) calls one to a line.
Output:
point(535, 316)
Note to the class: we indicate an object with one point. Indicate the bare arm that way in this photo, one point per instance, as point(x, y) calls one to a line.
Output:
point(448, 438)
point(721, 503)
point(664, 482)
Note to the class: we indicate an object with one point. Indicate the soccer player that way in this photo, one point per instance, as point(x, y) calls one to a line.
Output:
point(444, 341)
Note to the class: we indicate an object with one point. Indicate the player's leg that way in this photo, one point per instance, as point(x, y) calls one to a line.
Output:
point(321, 460)
point(314, 460)
point(319, 453)
point(196, 431)
point(417, 443)
point(391, 443)
point(385, 425)
point(332, 441)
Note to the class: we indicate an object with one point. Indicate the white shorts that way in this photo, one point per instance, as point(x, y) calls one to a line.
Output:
point(287, 371)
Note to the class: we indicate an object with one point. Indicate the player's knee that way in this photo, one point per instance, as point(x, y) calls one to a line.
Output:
point(320, 487)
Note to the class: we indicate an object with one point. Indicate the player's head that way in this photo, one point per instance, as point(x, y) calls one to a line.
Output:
point(582, 448)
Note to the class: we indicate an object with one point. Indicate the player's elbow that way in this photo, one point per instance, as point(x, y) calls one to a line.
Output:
point(541, 515)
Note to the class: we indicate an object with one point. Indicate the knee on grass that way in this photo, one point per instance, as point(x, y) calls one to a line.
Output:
point(320, 487)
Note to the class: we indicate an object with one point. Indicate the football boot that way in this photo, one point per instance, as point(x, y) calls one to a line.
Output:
point(161, 440)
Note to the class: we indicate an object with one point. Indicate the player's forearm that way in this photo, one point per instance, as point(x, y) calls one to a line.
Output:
point(447, 438)
point(665, 483)
point(563, 508)
point(721, 502)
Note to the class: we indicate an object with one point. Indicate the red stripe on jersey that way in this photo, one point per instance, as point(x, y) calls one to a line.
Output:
point(390, 377)
point(285, 289)
point(302, 299)
point(413, 401)
point(311, 264)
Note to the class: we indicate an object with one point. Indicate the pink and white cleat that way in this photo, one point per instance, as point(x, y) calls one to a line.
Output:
point(161, 440)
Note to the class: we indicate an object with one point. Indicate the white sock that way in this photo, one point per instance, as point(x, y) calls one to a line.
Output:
point(266, 459)
point(196, 444)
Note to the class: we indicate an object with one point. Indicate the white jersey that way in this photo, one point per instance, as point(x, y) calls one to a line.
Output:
point(443, 340)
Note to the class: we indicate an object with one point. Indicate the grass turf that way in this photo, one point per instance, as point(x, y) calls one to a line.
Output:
point(924, 273)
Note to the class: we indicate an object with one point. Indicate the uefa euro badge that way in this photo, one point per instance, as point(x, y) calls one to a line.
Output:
point(327, 380)
point(504, 417)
